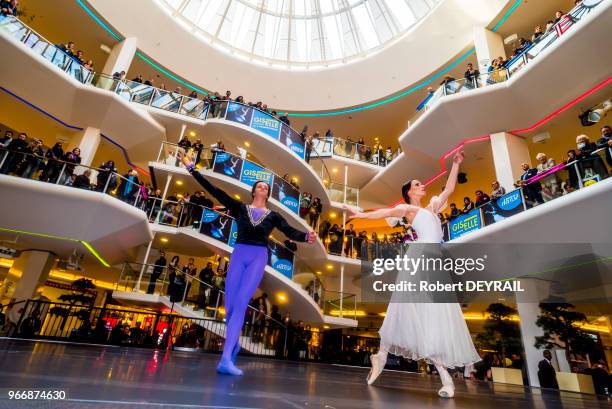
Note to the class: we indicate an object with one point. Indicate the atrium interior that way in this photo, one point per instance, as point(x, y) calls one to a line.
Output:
point(146, 147)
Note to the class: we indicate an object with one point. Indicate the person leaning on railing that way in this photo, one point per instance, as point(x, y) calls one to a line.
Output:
point(8, 8)
point(16, 147)
point(53, 166)
point(606, 142)
point(32, 162)
point(591, 164)
point(471, 76)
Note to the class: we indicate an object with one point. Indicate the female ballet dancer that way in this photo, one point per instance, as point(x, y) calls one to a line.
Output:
point(436, 332)
point(249, 258)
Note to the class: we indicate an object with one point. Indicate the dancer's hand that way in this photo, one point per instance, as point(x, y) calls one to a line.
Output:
point(352, 213)
point(312, 236)
point(458, 158)
point(183, 157)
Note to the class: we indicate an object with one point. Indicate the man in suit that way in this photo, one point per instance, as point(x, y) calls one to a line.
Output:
point(160, 264)
point(546, 372)
point(533, 190)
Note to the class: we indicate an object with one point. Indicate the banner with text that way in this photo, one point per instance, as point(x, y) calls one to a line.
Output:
point(465, 224)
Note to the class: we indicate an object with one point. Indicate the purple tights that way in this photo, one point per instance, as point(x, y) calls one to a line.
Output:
point(246, 268)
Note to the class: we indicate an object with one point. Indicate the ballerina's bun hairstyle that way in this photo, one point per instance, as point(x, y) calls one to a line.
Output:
point(255, 186)
point(405, 189)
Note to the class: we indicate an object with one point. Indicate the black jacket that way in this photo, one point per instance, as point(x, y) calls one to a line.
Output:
point(249, 232)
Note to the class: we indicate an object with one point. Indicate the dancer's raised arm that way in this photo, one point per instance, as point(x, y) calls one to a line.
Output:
point(233, 205)
point(397, 211)
point(438, 202)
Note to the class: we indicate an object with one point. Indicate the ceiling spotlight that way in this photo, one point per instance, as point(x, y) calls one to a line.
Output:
point(594, 115)
point(164, 240)
point(179, 182)
point(192, 133)
point(247, 144)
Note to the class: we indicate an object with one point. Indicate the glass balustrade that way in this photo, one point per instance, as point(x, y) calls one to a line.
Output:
point(38, 44)
point(327, 147)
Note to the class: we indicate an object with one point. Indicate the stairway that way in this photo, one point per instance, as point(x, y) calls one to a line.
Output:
point(216, 327)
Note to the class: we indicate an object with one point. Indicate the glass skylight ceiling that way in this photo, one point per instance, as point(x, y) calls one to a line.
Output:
point(307, 33)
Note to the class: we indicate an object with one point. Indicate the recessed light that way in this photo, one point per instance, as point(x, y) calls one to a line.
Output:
point(247, 144)
point(179, 182)
point(329, 266)
point(164, 240)
point(192, 133)
point(335, 170)
point(319, 273)
point(237, 196)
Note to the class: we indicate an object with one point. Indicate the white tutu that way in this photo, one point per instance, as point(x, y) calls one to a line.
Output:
point(436, 332)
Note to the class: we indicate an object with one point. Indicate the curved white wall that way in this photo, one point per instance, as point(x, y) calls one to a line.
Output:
point(431, 44)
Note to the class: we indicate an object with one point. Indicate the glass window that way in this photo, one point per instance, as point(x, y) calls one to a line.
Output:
point(300, 32)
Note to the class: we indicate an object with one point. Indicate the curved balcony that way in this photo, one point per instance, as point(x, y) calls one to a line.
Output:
point(452, 86)
point(59, 88)
point(235, 123)
point(230, 120)
point(71, 198)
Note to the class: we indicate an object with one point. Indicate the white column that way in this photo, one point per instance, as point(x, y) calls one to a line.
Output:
point(88, 141)
point(509, 152)
point(121, 56)
point(489, 45)
point(527, 304)
point(33, 266)
point(182, 134)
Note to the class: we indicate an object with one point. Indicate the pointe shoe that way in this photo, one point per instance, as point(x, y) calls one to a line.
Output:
point(446, 392)
point(227, 367)
point(377, 367)
point(235, 352)
point(448, 387)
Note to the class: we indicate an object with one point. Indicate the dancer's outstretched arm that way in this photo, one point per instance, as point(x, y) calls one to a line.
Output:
point(438, 202)
point(397, 211)
point(233, 205)
point(293, 234)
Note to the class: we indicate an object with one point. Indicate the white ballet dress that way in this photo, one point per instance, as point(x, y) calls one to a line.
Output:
point(436, 332)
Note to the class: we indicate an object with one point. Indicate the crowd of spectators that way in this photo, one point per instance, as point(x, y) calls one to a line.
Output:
point(29, 158)
point(77, 55)
point(360, 245)
point(583, 163)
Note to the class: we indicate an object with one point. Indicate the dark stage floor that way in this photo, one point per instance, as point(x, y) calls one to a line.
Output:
point(126, 378)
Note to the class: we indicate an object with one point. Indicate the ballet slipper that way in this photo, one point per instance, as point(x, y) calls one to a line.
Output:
point(235, 352)
point(377, 367)
point(227, 367)
point(448, 387)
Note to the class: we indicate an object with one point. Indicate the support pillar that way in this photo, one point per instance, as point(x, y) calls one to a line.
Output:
point(121, 56)
point(509, 152)
point(88, 141)
point(527, 304)
point(489, 46)
point(33, 266)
